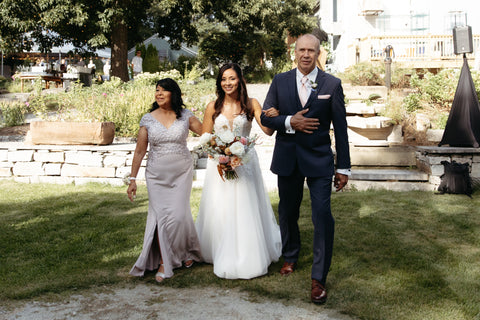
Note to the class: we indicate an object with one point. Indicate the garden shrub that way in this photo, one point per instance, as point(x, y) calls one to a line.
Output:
point(3, 82)
point(394, 109)
point(438, 89)
point(364, 74)
point(411, 102)
point(372, 74)
point(150, 62)
point(123, 103)
point(16, 86)
point(257, 75)
point(431, 93)
point(186, 64)
point(401, 77)
point(150, 79)
point(12, 113)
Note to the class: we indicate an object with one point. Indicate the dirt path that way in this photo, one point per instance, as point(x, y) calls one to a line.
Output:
point(151, 301)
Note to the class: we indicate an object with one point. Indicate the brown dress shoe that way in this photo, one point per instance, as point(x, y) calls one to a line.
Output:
point(319, 294)
point(287, 268)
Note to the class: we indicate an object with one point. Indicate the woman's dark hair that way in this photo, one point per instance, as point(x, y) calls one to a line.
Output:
point(242, 92)
point(170, 85)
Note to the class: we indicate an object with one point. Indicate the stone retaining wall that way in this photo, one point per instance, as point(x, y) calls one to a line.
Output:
point(67, 164)
point(111, 163)
point(429, 159)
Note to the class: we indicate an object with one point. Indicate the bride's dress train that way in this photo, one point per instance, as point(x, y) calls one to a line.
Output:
point(236, 226)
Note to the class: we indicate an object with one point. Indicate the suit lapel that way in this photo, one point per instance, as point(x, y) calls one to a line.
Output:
point(319, 81)
point(292, 83)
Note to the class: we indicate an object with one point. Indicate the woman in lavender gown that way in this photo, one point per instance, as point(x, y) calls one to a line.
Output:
point(170, 238)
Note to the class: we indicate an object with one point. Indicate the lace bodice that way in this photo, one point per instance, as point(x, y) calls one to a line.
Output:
point(240, 126)
point(167, 141)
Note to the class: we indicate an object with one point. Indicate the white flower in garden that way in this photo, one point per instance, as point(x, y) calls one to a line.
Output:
point(226, 136)
point(237, 148)
point(205, 138)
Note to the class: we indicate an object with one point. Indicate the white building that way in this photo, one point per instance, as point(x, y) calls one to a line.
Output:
point(420, 31)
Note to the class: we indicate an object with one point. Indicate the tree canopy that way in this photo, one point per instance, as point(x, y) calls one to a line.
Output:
point(225, 30)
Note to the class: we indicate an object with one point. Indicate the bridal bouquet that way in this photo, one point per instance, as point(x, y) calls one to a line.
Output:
point(228, 150)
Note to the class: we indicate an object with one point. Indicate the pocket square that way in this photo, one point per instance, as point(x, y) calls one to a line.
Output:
point(323, 96)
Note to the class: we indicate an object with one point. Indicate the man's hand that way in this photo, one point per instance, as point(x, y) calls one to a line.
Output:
point(271, 112)
point(300, 123)
point(340, 181)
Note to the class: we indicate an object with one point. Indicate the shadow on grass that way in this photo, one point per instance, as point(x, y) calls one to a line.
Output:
point(407, 255)
point(404, 255)
point(79, 237)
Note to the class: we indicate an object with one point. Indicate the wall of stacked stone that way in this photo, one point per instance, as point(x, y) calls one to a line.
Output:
point(67, 164)
point(429, 159)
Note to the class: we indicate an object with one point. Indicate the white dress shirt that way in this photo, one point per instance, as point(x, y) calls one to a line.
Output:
point(312, 76)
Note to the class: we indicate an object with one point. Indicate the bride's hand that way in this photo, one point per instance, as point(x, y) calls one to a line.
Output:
point(272, 112)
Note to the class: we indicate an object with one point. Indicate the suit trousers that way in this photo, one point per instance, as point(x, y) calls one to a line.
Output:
point(290, 190)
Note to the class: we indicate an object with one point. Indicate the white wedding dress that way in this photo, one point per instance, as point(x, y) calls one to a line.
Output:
point(236, 226)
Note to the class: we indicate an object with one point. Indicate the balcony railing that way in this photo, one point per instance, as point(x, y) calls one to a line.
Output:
point(416, 50)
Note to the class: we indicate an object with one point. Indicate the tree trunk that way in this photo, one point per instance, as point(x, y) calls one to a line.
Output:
point(119, 50)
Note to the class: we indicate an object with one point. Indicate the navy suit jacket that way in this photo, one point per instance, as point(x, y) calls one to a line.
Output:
point(312, 152)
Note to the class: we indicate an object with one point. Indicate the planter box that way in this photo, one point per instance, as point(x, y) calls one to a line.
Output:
point(71, 133)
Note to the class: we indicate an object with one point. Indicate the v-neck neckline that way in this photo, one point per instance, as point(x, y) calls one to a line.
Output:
point(230, 123)
point(163, 125)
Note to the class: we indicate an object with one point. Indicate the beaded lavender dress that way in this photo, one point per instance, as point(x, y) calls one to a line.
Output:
point(236, 226)
point(169, 176)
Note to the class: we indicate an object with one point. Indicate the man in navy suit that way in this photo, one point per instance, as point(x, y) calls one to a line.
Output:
point(308, 101)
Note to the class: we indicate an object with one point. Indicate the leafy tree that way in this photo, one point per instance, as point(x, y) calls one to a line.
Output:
point(87, 24)
point(248, 31)
point(151, 62)
point(227, 29)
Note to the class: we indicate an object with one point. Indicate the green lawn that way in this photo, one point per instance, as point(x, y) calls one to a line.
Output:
point(397, 255)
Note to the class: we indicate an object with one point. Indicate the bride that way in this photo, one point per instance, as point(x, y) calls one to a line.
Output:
point(236, 226)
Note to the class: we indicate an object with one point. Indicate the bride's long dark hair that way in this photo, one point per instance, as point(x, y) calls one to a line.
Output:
point(242, 92)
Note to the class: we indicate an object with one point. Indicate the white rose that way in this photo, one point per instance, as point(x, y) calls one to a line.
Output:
point(221, 124)
point(226, 136)
point(237, 148)
point(205, 138)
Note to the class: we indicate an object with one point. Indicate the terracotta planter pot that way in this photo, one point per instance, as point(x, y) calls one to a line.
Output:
point(71, 133)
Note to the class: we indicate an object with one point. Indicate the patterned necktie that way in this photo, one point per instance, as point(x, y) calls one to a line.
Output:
point(304, 91)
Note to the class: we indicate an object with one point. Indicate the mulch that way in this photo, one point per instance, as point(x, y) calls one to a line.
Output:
point(15, 131)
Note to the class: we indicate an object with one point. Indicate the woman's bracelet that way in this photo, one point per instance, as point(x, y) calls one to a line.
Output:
point(132, 178)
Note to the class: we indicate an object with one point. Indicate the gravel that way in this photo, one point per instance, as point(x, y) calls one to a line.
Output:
point(151, 301)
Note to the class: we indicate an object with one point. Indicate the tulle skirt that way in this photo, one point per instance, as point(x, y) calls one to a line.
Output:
point(236, 225)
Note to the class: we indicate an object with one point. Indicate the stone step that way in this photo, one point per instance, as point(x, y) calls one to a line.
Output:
point(378, 174)
point(363, 92)
point(392, 156)
point(400, 186)
point(394, 179)
point(361, 108)
point(374, 122)
point(361, 179)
